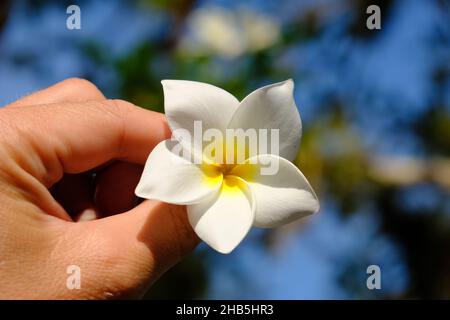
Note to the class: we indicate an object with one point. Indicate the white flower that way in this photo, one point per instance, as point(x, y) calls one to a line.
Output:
point(228, 33)
point(224, 200)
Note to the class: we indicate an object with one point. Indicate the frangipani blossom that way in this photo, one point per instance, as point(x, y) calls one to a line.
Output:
point(228, 33)
point(224, 200)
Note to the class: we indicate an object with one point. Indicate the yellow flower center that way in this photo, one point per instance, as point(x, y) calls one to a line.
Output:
point(228, 163)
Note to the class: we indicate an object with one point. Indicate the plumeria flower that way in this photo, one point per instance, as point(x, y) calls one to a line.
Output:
point(225, 199)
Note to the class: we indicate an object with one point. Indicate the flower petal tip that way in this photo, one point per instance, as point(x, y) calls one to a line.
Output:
point(288, 84)
point(166, 82)
point(224, 250)
point(138, 191)
point(317, 208)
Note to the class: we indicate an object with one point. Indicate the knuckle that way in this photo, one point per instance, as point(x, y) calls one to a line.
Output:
point(120, 109)
point(84, 85)
point(121, 105)
point(79, 82)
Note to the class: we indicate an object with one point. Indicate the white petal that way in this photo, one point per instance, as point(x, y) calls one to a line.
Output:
point(189, 101)
point(279, 198)
point(224, 219)
point(171, 178)
point(272, 107)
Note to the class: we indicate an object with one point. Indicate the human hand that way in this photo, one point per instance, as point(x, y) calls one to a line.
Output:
point(51, 145)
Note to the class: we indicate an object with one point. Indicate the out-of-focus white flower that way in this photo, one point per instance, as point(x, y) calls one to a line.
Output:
point(261, 32)
point(216, 30)
point(225, 198)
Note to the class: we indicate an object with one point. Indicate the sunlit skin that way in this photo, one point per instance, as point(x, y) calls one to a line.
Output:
point(53, 215)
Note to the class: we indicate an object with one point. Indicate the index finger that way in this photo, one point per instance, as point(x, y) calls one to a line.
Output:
point(76, 137)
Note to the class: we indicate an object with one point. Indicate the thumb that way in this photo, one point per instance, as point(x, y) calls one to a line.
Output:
point(134, 248)
point(162, 230)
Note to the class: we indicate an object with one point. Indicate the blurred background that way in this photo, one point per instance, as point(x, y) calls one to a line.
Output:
point(375, 106)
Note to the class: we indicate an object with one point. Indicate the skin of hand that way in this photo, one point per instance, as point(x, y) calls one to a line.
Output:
point(70, 160)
